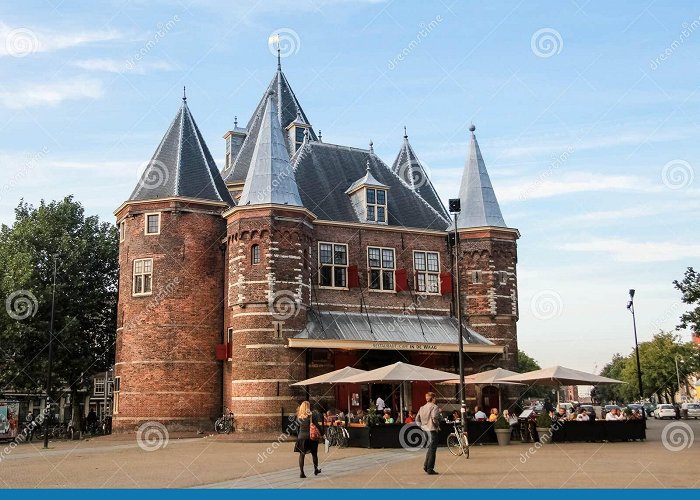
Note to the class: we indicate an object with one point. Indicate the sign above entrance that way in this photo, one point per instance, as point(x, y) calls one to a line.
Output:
point(391, 346)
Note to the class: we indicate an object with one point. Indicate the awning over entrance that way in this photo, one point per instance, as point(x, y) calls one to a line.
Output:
point(351, 330)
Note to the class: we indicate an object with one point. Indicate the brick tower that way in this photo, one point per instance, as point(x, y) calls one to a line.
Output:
point(171, 286)
point(488, 278)
point(269, 234)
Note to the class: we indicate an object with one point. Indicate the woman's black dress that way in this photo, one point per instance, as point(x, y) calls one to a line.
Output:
point(304, 442)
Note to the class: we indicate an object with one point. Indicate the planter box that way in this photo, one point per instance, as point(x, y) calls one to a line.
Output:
point(544, 434)
point(503, 436)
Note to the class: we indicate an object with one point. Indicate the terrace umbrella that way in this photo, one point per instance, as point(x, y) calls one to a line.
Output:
point(399, 372)
point(331, 378)
point(489, 377)
point(559, 375)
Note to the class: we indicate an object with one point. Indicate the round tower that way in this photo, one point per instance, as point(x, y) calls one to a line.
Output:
point(171, 287)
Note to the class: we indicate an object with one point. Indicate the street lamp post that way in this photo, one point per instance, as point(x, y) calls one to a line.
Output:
point(455, 209)
point(630, 306)
point(47, 410)
point(678, 378)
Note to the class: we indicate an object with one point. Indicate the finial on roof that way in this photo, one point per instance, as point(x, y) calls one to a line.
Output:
point(320, 136)
point(306, 135)
point(367, 164)
point(405, 134)
point(279, 57)
point(270, 92)
point(371, 147)
point(472, 128)
point(235, 122)
point(184, 93)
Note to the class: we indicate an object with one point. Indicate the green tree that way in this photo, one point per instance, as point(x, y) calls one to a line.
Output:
point(689, 286)
point(528, 364)
point(86, 253)
point(606, 393)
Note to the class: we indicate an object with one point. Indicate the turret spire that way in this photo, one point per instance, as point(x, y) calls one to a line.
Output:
point(184, 93)
point(479, 204)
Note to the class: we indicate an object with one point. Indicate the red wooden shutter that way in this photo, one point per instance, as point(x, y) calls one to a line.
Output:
point(445, 283)
point(353, 277)
point(401, 280)
point(229, 350)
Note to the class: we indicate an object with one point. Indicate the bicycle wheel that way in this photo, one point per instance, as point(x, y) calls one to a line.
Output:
point(220, 426)
point(465, 445)
point(453, 445)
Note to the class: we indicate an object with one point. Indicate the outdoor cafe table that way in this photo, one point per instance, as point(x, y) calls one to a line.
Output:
point(389, 435)
point(599, 430)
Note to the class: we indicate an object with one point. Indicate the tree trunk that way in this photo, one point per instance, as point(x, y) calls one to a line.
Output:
point(76, 414)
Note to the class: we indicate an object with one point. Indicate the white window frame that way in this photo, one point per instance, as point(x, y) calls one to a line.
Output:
point(333, 265)
point(425, 272)
point(145, 223)
point(95, 385)
point(134, 274)
point(382, 270)
point(122, 231)
point(375, 206)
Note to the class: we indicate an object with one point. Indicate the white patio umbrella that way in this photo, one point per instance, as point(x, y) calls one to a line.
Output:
point(558, 376)
point(399, 372)
point(331, 378)
point(489, 377)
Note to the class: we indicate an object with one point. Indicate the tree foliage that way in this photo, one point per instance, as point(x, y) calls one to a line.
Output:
point(528, 364)
point(689, 286)
point(86, 253)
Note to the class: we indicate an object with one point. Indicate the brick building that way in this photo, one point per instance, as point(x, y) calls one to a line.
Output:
point(298, 258)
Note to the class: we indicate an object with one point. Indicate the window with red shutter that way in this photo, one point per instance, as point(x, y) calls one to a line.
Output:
point(353, 277)
point(401, 280)
point(446, 283)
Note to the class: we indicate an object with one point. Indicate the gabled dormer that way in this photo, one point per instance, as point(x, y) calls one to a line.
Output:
point(296, 132)
point(234, 140)
point(369, 198)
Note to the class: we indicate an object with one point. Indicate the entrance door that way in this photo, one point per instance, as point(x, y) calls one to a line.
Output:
point(489, 398)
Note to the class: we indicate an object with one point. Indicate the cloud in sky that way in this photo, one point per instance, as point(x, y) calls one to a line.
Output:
point(121, 66)
point(623, 250)
point(51, 93)
point(20, 41)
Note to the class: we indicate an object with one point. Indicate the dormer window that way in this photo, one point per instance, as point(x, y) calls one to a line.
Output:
point(376, 205)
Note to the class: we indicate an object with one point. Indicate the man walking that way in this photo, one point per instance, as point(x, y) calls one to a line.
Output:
point(429, 419)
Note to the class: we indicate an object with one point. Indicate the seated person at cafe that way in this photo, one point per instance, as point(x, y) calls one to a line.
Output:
point(410, 418)
point(359, 417)
point(456, 417)
point(613, 415)
point(388, 419)
point(494, 415)
point(561, 414)
point(582, 416)
point(329, 418)
point(479, 415)
point(636, 415)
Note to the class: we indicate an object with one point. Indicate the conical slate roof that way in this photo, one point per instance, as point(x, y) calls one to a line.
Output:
point(270, 178)
point(478, 199)
point(182, 166)
point(288, 108)
point(411, 170)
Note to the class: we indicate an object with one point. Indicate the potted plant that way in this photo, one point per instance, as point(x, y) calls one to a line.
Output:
point(544, 427)
point(372, 419)
point(502, 428)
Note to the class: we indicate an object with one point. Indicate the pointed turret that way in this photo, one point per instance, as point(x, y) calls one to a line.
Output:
point(270, 177)
point(288, 111)
point(478, 199)
point(182, 166)
point(411, 170)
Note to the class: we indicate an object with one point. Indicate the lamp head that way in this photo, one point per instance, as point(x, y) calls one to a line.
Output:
point(455, 205)
point(631, 293)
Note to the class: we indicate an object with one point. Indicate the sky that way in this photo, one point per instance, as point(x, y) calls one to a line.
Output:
point(586, 114)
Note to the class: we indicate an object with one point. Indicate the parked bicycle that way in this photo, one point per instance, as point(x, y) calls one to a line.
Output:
point(337, 435)
point(226, 423)
point(458, 441)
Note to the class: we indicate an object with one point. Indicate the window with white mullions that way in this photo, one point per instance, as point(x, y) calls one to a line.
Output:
point(143, 277)
point(427, 267)
point(152, 223)
point(381, 265)
point(333, 265)
point(376, 205)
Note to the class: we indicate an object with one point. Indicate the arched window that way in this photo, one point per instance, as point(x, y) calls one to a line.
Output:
point(255, 254)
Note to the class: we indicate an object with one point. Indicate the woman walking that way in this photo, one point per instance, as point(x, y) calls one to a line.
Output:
point(309, 425)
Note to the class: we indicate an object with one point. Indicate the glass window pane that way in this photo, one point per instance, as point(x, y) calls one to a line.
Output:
point(341, 254)
point(370, 213)
point(326, 276)
point(380, 214)
point(147, 266)
point(419, 261)
point(381, 197)
point(153, 223)
point(340, 276)
point(138, 266)
point(138, 284)
point(374, 280)
point(370, 196)
point(388, 280)
point(421, 282)
point(433, 262)
point(146, 283)
point(388, 259)
point(326, 253)
point(374, 257)
point(433, 283)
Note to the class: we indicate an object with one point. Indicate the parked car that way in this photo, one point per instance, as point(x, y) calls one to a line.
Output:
point(692, 410)
point(665, 411)
point(635, 407)
point(649, 408)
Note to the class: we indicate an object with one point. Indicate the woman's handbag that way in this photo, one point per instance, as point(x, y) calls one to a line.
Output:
point(314, 433)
